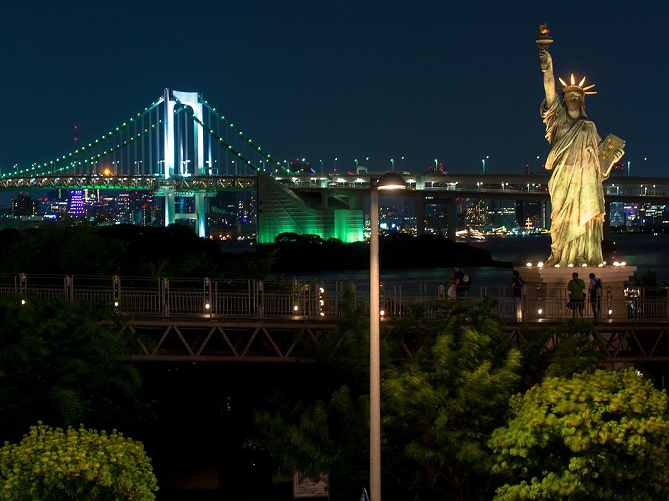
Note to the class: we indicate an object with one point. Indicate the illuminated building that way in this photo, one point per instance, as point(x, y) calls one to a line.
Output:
point(24, 205)
point(502, 213)
point(77, 203)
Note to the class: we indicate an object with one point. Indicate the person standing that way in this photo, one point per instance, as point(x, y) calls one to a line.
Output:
point(452, 286)
point(517, 285)
point(461, 285)
point(576, 288)
point(595, 295)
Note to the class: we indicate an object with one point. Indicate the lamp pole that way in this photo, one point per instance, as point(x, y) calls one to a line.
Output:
point(483, 161)
point(388, 181)
point(374, 348)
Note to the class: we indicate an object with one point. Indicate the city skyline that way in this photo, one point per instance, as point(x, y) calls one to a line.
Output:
point(230, 216)
point(371, 81)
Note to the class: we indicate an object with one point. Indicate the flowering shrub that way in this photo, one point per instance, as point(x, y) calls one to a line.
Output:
point(56, 464)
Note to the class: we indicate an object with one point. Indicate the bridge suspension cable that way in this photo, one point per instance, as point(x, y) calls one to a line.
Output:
point(52, 166)
point(246, 139)
point(148, 147)
point(229, 147)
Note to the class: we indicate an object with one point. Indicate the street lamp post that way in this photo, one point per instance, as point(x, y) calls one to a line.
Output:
point(483, 161)
point(388, 181)
point(392, 164)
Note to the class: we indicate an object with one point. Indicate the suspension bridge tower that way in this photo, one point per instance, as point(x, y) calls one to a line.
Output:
point(174, 163)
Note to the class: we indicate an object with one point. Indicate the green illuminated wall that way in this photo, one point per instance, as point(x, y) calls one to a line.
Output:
point(282, 211)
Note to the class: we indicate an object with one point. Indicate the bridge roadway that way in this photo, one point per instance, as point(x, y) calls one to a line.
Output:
point(207, 320)
point(490, 186)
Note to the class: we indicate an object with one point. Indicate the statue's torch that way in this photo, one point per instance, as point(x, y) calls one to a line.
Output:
point(545, 38)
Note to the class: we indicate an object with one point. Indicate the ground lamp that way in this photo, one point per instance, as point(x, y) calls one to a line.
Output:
point(388, 181)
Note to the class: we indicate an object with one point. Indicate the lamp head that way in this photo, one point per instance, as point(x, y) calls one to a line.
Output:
point(390, 181)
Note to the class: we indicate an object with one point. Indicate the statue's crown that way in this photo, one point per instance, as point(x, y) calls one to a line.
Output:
point(578, 88)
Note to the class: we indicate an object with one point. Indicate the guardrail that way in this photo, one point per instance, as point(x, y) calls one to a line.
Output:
point(254, 299)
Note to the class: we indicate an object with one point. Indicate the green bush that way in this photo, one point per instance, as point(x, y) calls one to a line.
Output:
point(594, 436)
point(56, 464)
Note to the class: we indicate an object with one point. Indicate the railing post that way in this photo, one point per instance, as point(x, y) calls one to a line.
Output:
point(23, 283)
point(116, 292)
point(382, 299)
point(68, 293)
point(260, 299)
point(321, 300)
point(165, 296)
point(208, 306)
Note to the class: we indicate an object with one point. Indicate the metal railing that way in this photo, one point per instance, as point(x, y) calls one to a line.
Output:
point(293, 299)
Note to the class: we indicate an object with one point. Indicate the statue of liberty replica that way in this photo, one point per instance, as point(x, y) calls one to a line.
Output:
point(579, 161)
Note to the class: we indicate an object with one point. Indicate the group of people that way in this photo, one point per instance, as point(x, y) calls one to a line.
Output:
point(458, 283)
point(576, 287)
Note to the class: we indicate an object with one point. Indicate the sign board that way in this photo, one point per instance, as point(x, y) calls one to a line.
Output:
point(305, 487)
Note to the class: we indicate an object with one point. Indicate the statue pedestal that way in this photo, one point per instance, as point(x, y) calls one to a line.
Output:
point(555, 279)
point(546, 292)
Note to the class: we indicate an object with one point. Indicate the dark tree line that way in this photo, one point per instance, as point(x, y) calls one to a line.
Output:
point(124, 250)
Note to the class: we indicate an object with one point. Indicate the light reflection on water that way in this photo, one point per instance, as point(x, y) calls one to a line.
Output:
point(640, 250)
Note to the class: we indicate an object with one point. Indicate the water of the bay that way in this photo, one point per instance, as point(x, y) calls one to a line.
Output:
point(645, 251)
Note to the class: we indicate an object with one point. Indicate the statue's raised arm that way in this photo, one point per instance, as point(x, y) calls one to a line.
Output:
point(549, 77)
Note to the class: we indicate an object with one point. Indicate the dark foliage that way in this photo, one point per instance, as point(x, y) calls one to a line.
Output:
point(124, 250)
point(65, 363)
point(295, 252)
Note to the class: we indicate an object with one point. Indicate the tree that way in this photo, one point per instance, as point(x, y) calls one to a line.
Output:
point(438, 407)
point(603, 435)
point(56, 464)
point(65, 362)
point(560, 350)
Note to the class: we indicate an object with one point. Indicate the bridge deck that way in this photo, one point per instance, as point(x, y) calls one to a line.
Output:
point(209, 320)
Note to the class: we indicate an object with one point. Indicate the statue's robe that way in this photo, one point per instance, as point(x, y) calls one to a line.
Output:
point(575, 187)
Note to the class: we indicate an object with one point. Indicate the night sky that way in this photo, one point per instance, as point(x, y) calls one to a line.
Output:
point(446, 80)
